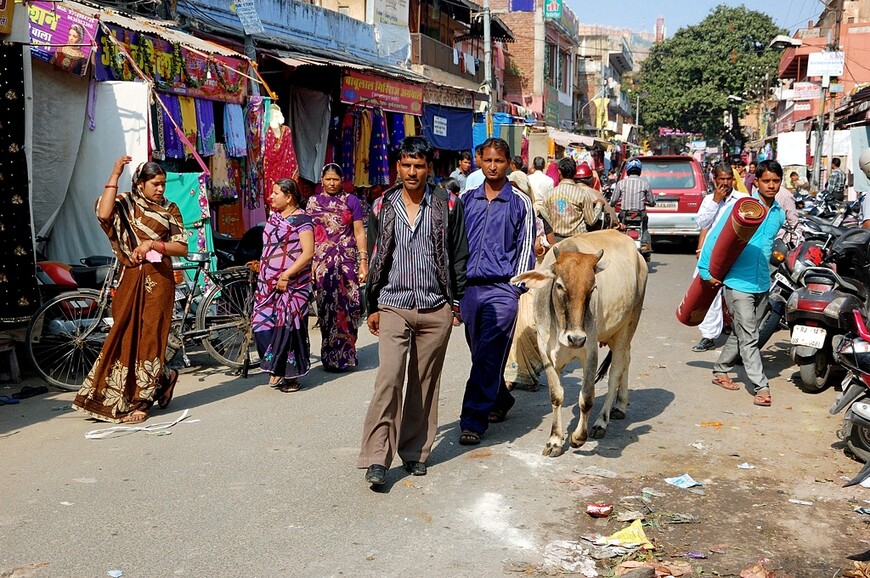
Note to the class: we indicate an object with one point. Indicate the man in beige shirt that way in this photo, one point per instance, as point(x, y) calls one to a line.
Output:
point(572, 208)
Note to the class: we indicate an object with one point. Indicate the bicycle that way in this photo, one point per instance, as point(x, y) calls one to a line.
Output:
point(65, 336)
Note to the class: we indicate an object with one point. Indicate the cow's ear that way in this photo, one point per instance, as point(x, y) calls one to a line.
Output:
point(534, 279)
point(602, 264)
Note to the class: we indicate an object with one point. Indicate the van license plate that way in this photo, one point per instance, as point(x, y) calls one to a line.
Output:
point(667, 205)
point(809, 336)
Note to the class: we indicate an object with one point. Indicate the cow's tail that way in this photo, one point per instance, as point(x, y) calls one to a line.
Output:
point(605, 365)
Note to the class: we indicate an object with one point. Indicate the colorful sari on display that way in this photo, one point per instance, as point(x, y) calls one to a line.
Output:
point(336, 289)
point(129, 373)
point(280, 320)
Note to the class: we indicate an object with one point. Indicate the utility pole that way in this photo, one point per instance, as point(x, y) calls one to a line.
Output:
point(487, 65)
point(833, 46)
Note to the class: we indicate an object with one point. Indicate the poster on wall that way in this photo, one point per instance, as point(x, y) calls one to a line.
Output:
point(173, 68)
point(62, 37)
point(390, 95)
point(553, 9)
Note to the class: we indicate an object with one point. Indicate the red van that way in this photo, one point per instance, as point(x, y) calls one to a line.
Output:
point(678, 185)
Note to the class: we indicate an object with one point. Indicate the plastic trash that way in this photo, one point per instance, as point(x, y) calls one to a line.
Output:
point(685, 481)
point(569, 556)
point(801, 502)
point(745, 466)
point(633, 535)
point(115, 573)
point(598, 510)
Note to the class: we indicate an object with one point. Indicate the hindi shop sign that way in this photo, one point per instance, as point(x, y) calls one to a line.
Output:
point(806, 91)
point(826, 64)
point(390, 95)
point(553, 9)
point(173, 68)
point(60, 36)
point(247, 13)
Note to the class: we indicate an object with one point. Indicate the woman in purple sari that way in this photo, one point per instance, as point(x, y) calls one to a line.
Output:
point(340, 239)
point(281, 304)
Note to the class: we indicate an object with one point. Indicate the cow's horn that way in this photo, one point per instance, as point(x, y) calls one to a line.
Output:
point(555, 251)
point(599, 254)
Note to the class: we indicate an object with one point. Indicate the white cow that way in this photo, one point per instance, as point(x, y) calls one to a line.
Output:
point(588, 290)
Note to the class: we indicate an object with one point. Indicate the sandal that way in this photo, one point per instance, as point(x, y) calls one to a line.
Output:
point(290, 386)
point(166, 396)
point(762, 398)
point(469, 438)
point(725, 382)
point(136, 416)
point(279, 382)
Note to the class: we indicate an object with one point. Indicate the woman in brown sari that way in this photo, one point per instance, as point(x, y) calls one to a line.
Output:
point(145, 230)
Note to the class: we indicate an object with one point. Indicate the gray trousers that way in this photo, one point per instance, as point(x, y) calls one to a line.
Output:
point(412, 342)
point(747, 310)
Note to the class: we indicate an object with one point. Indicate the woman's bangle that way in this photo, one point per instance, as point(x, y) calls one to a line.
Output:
point(162, 247)
point(110, 186)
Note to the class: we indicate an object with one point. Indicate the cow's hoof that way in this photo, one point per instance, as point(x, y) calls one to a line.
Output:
point(553, 450)
point(577, 441)
point(598, 432)
point(617, 413)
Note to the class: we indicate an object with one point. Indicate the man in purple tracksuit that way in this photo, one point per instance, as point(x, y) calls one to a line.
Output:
point(500, 225)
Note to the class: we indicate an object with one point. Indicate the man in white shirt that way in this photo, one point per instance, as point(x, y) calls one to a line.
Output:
point(540, 182)
point(711, 210)
point(476, 178)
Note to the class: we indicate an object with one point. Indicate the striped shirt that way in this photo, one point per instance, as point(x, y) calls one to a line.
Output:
point(412, 282)
point(635, 193)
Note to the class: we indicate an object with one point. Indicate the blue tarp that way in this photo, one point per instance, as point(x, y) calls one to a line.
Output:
point(448, 128)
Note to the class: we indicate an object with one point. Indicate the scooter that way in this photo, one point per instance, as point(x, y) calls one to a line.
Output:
point(633, 222)
point(853, 352)
point(822, 305)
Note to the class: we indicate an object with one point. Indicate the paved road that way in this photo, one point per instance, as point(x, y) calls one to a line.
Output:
point(264, 483)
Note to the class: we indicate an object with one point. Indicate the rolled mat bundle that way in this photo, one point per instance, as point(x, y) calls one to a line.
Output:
point(746, 216)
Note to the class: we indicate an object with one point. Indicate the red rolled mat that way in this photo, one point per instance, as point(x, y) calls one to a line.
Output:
point(746, 216)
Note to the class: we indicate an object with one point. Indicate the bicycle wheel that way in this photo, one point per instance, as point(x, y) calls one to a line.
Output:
point(65, 337)
point(225, 313)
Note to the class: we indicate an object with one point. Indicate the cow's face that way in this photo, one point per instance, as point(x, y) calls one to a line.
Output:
point(573, 283)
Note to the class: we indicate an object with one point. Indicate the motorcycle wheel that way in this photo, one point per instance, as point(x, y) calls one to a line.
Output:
point(769, 325)
point(815, 372)
point(857, 438)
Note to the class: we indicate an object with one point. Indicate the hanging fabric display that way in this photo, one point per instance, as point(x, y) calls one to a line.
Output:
point(188, 191)
point(379, 165)
point(230, 221)
point(222, 188)
point(332, 142)
point(397, 131)
point(279, 160)
point(253, 193)
point(362, 137)
point(188, 119)
point(158, 138)
point(234, 130)
point(173, 147)
point(19, 297)
point(205, 134)
point(347, 144)
point(309, 121)
point(410, 125)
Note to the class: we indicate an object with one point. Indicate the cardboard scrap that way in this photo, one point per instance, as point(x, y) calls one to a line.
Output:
point(662, 569)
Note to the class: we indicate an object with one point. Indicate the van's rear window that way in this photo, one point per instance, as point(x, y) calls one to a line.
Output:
point(669, 175)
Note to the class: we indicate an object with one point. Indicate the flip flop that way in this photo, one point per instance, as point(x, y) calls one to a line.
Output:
point(28, 391)
point(725, 382)
point(762, 398)
point(136, 416)
point(469, 438)
point(6, 400)
point(290, 386)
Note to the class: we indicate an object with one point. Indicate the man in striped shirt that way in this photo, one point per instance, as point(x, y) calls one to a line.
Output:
point(500, 224)
point(417, 277)
point(634, 194)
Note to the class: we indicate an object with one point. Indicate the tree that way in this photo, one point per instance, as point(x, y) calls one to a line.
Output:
point(689, 77)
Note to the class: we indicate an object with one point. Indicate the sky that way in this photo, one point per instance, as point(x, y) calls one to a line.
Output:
point(641, 14)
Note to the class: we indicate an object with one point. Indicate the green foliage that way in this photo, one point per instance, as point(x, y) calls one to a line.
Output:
point(688, 77)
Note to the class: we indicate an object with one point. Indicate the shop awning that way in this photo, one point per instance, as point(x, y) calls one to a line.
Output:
point(297, 59)
point(158, 28)
point(565, 139)
point(466, 10)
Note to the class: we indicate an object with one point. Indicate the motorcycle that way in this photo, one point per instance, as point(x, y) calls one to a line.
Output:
point(821, 307)
point(56, 277)
point(633, 222)
point(853, 352)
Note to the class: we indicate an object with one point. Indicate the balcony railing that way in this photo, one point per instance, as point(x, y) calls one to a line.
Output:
point(428, 51)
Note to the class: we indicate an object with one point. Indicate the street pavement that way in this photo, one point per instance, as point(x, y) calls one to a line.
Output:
point(259, 483)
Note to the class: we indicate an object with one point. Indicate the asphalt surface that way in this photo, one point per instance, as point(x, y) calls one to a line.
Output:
point(259, 483)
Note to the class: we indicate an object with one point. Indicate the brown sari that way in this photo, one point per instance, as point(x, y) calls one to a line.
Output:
point(129, 373)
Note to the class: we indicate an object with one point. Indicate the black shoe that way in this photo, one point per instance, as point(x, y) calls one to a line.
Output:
point(376, 475)
point(704, 345)
point(415, 468)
